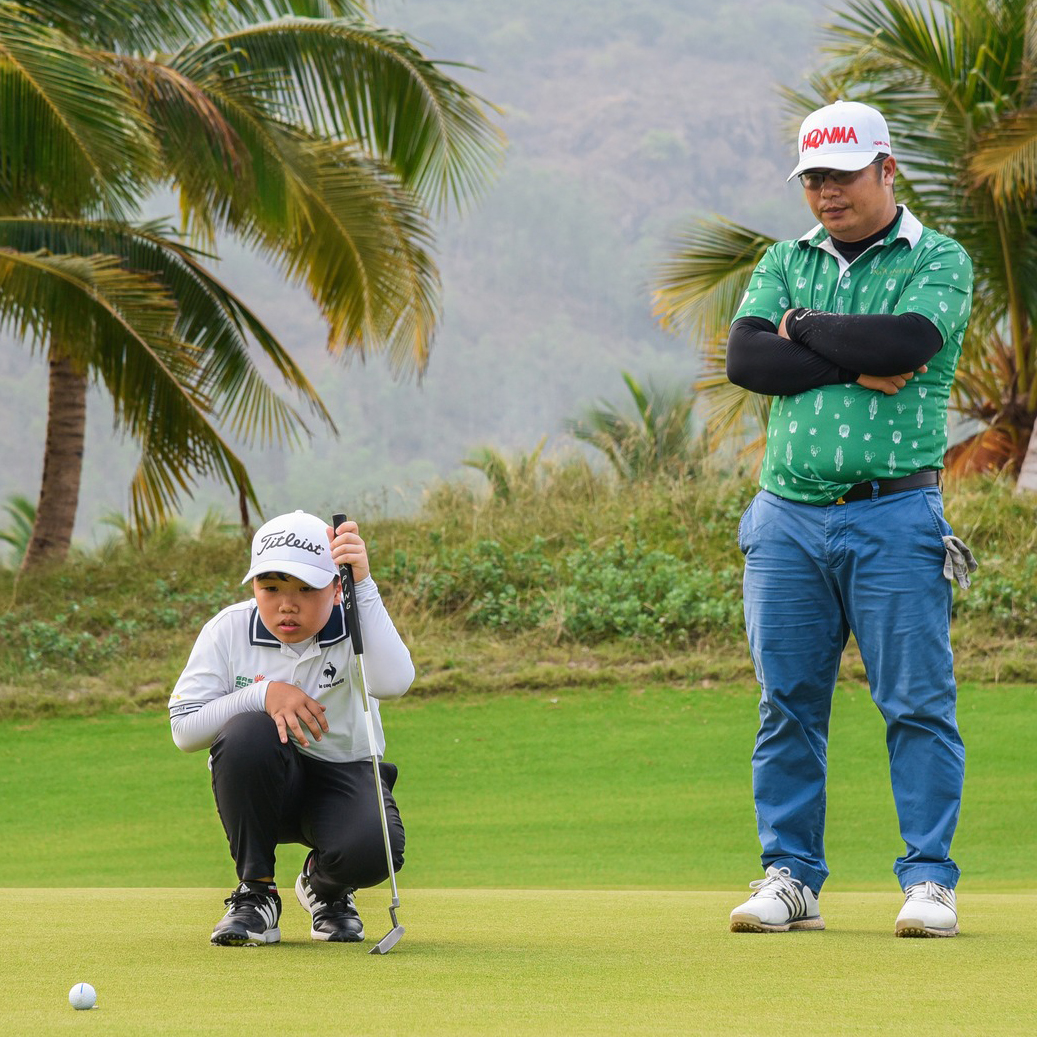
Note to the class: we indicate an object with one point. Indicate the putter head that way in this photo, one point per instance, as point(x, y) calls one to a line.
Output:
point(388, 941)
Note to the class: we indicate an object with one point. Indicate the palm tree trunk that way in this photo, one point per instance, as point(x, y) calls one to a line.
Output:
point(1028, 473)
point(62, 466)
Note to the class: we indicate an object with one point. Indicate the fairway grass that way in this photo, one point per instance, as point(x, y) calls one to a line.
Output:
point(515, 962)
point(637, 787)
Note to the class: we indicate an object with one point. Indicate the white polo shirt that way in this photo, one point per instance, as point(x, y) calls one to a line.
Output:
point(235, 658)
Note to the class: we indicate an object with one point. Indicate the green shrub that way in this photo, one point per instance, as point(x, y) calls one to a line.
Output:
point(578, 559)
point(628, 590)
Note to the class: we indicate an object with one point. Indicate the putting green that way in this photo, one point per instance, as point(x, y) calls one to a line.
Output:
point(515, 962)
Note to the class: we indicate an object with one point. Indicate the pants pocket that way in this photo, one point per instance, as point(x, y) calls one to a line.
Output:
point(745, 527)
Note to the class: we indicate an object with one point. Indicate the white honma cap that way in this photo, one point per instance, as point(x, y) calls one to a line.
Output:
point(296, 544)
point(845, 135)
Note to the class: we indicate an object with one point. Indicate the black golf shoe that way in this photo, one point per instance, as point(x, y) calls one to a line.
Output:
point(337, 922)
point(254, 909)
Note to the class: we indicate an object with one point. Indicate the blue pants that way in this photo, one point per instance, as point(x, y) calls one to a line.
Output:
point(813, 575)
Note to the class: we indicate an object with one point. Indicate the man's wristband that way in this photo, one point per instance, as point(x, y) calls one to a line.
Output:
point(793, 317)
point(799, 321)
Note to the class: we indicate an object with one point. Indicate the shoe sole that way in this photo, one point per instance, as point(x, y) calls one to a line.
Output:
point(913, 927)
point(742, 923)
point(248, 940)
point(335, 938)
point(316, 934)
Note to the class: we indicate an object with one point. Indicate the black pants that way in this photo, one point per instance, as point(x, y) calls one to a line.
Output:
point(268, 793)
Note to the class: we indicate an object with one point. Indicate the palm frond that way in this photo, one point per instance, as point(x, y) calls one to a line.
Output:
point(339, 223)
point(731, 410)
point(698, 288)
point(698, 292)
point(372, 87)
point(72, 138)
point(22, 512)
point(330, 216)
point(120, 326)
point(208, 316)
point(1006, 157)
point(657, 440)
point(139, 26)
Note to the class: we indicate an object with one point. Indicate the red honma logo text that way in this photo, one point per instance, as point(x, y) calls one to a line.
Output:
point(829, 135)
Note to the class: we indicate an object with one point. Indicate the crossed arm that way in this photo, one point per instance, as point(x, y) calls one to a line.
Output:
point(810, 349)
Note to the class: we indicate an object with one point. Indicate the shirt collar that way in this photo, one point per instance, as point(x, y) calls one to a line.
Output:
point(330, 634)
point(907, 227)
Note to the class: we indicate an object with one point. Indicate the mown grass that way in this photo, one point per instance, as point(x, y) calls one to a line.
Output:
point(576, 580)
point(634, 786)
point(571, 862)
point(522, 963)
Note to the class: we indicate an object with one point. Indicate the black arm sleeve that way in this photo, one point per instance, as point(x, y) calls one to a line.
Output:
point(760, 360)
point(868, 343)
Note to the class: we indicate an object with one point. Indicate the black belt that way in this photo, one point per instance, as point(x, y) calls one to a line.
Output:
point(866, 490)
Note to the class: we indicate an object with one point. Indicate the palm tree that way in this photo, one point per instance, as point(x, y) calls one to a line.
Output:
point(957, 82)
point(318, 139)
point(508, 477)
point(657, 440)
point(1004, 163)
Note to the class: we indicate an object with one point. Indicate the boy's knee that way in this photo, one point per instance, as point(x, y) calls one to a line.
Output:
point(247, 737)
point(358, 859)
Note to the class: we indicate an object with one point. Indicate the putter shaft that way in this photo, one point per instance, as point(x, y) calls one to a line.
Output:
point(387, 942)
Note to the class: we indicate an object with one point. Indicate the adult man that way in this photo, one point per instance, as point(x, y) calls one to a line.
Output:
point(855, 329)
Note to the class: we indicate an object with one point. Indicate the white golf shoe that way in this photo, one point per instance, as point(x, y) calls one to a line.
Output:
point(779, 904)
point(929, 910)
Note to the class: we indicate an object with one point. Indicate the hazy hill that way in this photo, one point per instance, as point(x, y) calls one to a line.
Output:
point(621, 120)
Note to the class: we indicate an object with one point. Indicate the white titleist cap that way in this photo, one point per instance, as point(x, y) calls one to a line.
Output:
point(845, 135)
point(296, 544)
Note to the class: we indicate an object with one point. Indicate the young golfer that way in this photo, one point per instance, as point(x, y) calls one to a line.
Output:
point(269, 691)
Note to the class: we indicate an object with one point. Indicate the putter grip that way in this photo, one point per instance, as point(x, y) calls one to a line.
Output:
point(349, 597)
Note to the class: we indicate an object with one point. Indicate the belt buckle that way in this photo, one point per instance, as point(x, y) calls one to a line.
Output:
point(840, 500)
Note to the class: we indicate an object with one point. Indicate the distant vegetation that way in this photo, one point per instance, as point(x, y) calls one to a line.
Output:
point(576, 579)
point(652, 436)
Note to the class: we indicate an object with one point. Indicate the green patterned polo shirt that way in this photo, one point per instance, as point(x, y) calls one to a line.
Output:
point(823, 441)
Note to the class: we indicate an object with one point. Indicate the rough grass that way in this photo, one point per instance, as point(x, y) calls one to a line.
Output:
point(575, 581)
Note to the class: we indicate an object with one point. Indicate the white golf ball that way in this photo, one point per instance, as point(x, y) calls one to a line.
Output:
point(82, 995)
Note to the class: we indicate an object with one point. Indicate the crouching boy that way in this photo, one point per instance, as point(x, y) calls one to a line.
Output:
point(268, 690)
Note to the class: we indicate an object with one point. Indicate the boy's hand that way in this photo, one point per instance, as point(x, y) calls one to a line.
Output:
point(289, 705)
point(348, 549)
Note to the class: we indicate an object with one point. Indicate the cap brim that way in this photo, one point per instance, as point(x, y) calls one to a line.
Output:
point(311, 575)
point(848, 161)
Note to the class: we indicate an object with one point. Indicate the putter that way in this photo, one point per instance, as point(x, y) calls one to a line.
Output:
point(392, 937)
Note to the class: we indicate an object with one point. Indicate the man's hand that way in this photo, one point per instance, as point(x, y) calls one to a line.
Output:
point(289, 705)
point(783, 326)
point(888, 384)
